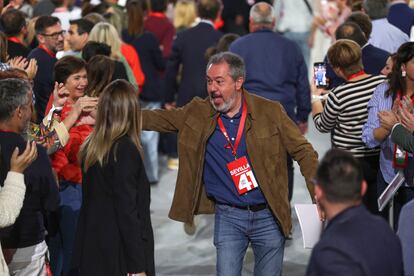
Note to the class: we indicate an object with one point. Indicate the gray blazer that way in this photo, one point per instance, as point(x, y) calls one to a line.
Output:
point(403, 137)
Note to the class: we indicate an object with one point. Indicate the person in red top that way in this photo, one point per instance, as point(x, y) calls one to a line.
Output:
point(158, 24)
point(71, 71)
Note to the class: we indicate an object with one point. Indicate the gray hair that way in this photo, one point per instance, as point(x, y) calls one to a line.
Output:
point(13, 93)
point(376, 9)
point(262, 13)
point(235, 62)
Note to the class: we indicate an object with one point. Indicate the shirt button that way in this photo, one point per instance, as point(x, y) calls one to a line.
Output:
point(232, 138)
point(231, 121)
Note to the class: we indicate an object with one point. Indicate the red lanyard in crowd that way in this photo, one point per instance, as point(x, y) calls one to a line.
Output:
point(357, 74)
point(14, 39)
point(399, 96)
point(156, 14)
point(50, 53)
point(239, 131)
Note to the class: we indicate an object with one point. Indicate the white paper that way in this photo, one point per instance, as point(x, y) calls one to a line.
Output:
point(310, 224)
point(391, 189)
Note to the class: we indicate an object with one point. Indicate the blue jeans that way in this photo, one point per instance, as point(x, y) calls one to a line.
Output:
point(149, 140)
point(235, 228)
point(61, 245)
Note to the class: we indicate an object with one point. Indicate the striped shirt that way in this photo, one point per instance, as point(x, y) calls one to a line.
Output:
point(345, 113)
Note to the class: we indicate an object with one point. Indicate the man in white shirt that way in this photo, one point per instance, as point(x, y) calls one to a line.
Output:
point(384, 35)
point(294, 19)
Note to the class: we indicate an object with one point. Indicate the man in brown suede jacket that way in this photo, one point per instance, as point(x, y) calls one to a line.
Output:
point(232, 149)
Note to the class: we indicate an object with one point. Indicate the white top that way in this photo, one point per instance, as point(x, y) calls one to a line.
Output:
point(386, 36)
point(11, 201)
point(292, 16)
point(66, 15)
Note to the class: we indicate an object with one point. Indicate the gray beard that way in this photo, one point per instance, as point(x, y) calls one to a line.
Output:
point(225, 107)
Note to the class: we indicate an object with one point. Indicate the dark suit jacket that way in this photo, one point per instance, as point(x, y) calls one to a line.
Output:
point(355, 243)
point(114, 235)
point(373, 59)
point(44, 80)
point(189, 49)
point(401, 16)
point(403, 137)
point(15, 49)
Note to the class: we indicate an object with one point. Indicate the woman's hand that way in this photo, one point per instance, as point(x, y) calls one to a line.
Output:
point(18, 163)
point(387, 119)
point(18, 62)
point(31, 69)
point(406, 118)
point(85, 105)
point(60, 95)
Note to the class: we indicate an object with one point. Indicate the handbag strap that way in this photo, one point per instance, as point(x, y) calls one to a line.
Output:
point(308, 6)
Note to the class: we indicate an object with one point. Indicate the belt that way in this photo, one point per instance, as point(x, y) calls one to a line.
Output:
point(253, 208)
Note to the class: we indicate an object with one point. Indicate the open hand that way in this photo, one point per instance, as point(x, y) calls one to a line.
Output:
point(18, 163)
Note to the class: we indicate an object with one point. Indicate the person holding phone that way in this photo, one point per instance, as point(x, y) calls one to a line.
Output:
point(114, 234)
point(345, 111)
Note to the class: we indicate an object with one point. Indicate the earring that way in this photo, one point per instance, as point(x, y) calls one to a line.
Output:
point(403, 74)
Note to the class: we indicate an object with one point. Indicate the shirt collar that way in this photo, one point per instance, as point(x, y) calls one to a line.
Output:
point(207, 21)
point(396, 2)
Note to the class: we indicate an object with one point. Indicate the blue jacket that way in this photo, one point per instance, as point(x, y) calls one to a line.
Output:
point(401, 16)
point(152, 64)
point(189, 48)
point(357, 243)
point(44, 80)
point(276, 70)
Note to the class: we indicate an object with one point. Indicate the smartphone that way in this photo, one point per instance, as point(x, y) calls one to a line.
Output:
point(319, 74)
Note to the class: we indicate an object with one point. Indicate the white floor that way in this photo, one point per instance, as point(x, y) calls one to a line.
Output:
point(176, 253)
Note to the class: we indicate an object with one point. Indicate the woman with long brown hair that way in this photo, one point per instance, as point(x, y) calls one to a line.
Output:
point(389, 99)
point(114, 235)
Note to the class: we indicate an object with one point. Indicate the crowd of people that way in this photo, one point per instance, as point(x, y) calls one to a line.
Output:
point(92, 91)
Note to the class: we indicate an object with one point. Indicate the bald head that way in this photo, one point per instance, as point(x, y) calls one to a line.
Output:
point(262, 16)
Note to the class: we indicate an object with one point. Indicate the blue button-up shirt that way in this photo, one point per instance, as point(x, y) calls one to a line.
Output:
point(380, 102)
point(217, 179)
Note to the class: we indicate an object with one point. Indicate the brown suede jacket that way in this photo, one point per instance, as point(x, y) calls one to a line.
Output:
point(270, 135)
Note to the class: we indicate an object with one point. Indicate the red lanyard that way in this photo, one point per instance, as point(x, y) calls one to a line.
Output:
point(14, 39)
point(50, 53)
point(357, 74)
point(400, 97)
point(156, 14)
point(239, 131)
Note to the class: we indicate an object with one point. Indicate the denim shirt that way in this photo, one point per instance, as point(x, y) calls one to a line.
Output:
point(380, 102)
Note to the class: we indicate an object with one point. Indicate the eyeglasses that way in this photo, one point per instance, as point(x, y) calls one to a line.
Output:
point(55, 35)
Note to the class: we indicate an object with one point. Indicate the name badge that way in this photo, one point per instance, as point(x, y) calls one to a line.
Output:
point(242, 175)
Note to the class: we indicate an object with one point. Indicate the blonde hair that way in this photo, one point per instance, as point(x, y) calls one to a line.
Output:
point(106, 33)
point(118, 114)
point(184, 14)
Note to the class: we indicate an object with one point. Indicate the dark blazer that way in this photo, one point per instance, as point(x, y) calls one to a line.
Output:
point(15, 49)
point(403, 137)
point(356, 243)
point(152, 64)
point(401, 16)
point(189, 49)
point(41, 199)
point(44, 80)
point(373, 59)
point(114, 235)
